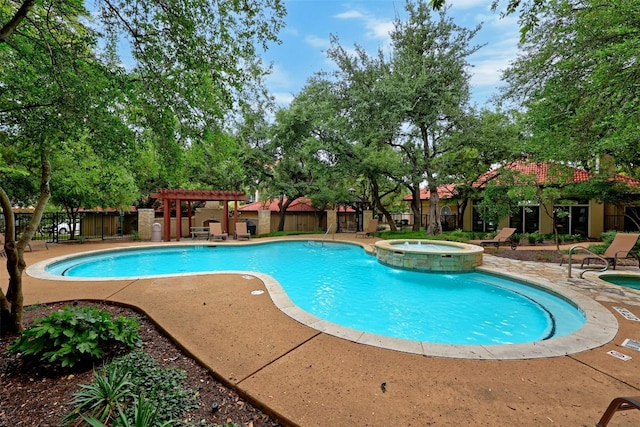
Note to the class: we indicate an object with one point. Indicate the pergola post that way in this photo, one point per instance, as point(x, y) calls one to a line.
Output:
point(178, 219)
point(225, 219)
point(167, 220)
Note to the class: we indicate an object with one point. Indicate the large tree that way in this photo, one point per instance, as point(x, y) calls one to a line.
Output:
point(190, 61)
point(369, 126)
point(429, 87)
point(579, 81)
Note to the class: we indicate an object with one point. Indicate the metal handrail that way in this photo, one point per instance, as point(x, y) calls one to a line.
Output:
point(327, 232)
point(582, 248)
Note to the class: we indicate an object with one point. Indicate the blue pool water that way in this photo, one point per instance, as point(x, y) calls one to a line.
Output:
point(632, 282)
point(342, 284)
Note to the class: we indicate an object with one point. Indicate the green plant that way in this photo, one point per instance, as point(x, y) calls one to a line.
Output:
point(145, 415)
point(76, 334)
point(101, 399)
point(608, 236)
point(162, 387)
point(135, 235)
point(133, 390)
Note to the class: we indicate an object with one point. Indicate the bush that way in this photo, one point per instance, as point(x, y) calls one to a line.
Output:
point(76, 335)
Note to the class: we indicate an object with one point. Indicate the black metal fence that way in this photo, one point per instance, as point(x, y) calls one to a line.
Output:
point(57, 227)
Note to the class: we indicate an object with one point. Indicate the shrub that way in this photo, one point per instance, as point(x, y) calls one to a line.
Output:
point(76, 335)
point(516, 237)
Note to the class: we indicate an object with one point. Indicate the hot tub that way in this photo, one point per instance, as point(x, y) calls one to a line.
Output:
point(429, 255)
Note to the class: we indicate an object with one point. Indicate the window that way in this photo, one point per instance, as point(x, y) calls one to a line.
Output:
point(572, 219)
point(526, 219)
point(480, 224)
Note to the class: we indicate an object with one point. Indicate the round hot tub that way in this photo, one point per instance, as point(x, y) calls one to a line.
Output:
point(429, 255)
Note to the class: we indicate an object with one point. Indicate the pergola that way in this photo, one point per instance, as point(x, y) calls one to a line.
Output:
point(169, 195)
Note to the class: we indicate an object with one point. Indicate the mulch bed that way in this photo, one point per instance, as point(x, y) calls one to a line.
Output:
point(31, 397)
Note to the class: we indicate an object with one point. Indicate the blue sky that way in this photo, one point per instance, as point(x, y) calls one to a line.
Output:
point(310, 23)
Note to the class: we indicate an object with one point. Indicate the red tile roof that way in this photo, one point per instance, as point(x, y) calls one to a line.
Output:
point(301, 204)
point(543, 173)
point(444, 192)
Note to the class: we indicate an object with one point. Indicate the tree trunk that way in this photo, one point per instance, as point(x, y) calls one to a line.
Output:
point(435, 227)
point(415, 208)
point(283, 211)
point(375, 195)
point(11, 305)
point(462, 208)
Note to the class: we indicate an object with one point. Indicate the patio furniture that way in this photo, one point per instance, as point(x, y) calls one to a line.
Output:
point(503, 237)
point(372, 227)
point(197, 232)
point(620, 248)
point(216, 233)
point(241, 231)
point(618, 404)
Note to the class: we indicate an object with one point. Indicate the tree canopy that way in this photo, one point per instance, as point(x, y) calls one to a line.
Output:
point(64, 81)
point(580, 84)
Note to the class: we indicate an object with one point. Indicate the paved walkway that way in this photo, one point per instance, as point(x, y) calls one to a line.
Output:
point(311, 378)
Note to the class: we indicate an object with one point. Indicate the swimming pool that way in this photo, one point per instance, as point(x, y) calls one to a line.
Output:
point(628, 281)
point(344, 285)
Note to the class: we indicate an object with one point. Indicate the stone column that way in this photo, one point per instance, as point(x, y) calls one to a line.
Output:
point(146, 218)
point(332, 221)
point(367, 216)
point(264, 222)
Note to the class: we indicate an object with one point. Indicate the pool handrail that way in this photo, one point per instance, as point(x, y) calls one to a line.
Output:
point(593, 254)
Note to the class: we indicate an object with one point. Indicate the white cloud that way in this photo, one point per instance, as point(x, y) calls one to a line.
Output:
point(283, 98)
point(317, 42)
point(350, 14)
point(278, 77)
point(377, 29)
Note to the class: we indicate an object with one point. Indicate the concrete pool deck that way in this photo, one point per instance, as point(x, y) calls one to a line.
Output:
point(309, 378)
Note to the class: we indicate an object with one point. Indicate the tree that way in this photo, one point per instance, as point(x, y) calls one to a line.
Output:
point(486, 138)
point(80, 178)
point(429, 87)
point(529, 11)
point(298, 145)
point(49, 66)
point(369, 126)
point(580, 85)
point(57, 83)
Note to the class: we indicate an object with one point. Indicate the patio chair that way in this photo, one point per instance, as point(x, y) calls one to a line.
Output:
point(620, 248)
point(371, 228)
point(241, 231)
point(618, 404)
point(216, 233)
point(503, 237)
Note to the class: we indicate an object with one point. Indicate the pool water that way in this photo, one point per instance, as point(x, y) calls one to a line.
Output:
point(342, 284)
point(632, 282)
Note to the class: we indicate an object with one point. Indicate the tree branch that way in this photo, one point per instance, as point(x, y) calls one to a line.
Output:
point(13, 23)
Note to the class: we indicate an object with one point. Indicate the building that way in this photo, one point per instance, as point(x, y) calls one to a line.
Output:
point(571, 214)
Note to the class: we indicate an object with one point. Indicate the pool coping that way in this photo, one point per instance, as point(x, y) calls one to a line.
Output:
point(599, 329)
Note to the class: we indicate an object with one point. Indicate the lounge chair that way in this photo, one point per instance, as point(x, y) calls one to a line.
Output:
point(241, 231)
point(618, 404)
point(620, 248)
point(216, 233)
point(503, 237)
point(372, 227)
